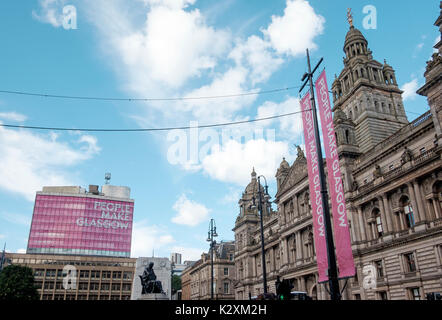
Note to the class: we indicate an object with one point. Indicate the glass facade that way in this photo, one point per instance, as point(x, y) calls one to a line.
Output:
point(81, 225)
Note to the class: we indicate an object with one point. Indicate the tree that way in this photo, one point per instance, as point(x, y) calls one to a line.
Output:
point(176, 283)
point(17, 283)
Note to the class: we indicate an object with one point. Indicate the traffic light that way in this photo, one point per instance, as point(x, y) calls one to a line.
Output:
point(283, 289)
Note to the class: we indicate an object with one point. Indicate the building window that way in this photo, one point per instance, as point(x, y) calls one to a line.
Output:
point(410, 262)
point(226, 288)
point(408, 210)
point(357, 296)
point(382, 295)
point(226, 271)
point(379, 268)
point(415, 294)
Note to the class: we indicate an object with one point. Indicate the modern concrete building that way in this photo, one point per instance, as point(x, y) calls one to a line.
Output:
point(196, 279)
point(392, 178)
point(71, 220)
point(96, 278)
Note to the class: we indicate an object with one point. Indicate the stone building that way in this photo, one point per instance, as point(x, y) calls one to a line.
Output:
point(196, 279)
point(392, 177)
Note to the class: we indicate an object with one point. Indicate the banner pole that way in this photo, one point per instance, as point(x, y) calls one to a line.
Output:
point(331, 256)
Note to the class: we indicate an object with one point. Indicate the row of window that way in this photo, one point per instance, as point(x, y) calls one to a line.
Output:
point(94, 274)
point(84, 297)
point(79, 251)
point(412, 294)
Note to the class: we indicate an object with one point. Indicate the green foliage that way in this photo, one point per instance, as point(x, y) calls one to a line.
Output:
point(17, 283)
point(176, 283)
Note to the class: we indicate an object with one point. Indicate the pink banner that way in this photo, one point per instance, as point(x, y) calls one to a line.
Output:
point(341, 231)
point(315, 188)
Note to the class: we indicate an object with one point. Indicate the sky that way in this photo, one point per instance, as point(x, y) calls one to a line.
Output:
point(162, 49)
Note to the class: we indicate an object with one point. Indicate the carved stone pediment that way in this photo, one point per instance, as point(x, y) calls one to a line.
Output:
point(298, 172)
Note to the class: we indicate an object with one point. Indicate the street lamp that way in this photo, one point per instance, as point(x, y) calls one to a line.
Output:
point(266, 197)
point(211, 234)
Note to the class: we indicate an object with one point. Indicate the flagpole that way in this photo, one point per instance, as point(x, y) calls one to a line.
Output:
point(331, 257)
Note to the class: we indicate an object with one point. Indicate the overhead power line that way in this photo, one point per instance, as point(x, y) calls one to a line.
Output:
point(148, 129)
point(72, 97)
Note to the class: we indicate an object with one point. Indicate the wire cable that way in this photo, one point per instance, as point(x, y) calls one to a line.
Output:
point(43, 95)
point(148, 129)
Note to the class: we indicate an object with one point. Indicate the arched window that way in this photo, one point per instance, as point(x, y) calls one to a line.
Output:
point(347, 136)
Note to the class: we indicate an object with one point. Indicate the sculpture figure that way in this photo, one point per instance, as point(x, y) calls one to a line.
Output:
point(149, 282)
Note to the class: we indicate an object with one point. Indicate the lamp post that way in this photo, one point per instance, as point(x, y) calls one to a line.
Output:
point(211, 234)
point(266, 199)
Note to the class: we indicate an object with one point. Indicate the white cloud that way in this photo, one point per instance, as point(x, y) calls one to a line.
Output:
point(189, 254)
point(233, 162)
point(2, 236)
point(13, 116)
point(256, 54)
point(147, 238)
point(30, 161)
point(189, 212)
point(21, 251)
point(410, 89)
point(290, 126)
point(296, 30)
point(173, 45)
point(51, 11)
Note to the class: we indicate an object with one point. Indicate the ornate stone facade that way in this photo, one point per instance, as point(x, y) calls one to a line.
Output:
point(393, 188)
point(196, 279)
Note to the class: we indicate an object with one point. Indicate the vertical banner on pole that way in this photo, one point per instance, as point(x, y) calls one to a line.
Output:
point(344, 253)
point(315, 188)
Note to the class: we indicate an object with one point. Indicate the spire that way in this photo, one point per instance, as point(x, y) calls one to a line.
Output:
point(253, 173)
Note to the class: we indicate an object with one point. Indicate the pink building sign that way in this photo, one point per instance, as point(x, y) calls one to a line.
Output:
point(81, 225)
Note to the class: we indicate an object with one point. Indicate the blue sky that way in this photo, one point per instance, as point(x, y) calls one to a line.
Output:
point(175, 48)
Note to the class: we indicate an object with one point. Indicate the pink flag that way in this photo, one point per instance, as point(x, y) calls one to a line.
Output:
point(344, 253)
point(315, 188)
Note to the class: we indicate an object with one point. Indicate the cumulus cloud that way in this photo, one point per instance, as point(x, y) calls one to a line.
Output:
point(13, 116)
point(296, 30)
point(410, 89)
point(51, 11)
point(290, 126)
point(30, 161)
point(233, 161)
point(189, 212)
point(146, 238)
point(256, 54)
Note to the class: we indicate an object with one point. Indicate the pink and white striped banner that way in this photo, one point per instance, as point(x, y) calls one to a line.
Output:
point(341, 231)
point(315, 188)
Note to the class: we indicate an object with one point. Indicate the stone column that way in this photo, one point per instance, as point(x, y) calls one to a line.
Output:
point(388, 212)
point(299, 254)
point(353, 226)
point(295, 206)
point(362, 224)
point(420, 204)
point(436, 207)
point(285, 251)
point(413, 202)
point(385, 228)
